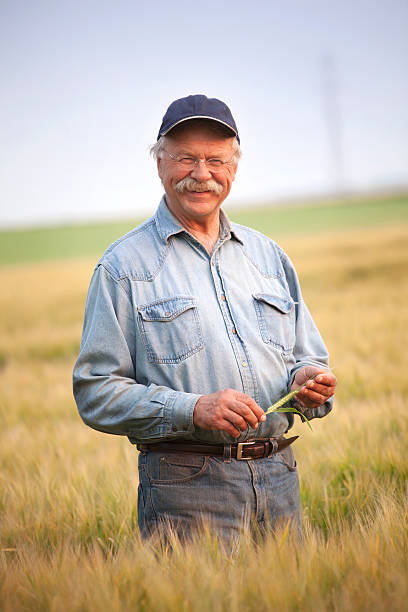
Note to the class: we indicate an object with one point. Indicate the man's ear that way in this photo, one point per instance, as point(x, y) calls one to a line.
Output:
point(159, 167)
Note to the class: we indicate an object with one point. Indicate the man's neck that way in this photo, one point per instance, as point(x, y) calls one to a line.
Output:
point(205, 230)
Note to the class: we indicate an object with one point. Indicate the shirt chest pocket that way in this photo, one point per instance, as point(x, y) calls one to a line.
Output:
point(170, 329)
point(276, 320)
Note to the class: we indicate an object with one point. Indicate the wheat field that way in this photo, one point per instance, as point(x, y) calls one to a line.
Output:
point(68, 534)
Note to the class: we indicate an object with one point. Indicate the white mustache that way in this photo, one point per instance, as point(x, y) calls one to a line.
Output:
point(191, 185)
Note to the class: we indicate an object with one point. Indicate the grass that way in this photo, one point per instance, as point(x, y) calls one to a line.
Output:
point(41, 244)
point(68, 531)
point(325, 217)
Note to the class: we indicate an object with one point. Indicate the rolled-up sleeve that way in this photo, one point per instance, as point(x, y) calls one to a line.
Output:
point(107, 394)
point(309, 350)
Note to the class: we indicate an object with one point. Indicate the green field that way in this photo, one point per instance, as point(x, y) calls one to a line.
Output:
point(82, 240)
point(69, 538)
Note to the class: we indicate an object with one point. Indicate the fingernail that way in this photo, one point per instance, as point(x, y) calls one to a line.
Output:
point(263, 418)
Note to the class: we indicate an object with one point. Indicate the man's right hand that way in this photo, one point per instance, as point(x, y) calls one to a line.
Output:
point(227, 410)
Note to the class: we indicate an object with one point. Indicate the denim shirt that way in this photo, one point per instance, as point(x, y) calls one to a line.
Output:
point(165, 323)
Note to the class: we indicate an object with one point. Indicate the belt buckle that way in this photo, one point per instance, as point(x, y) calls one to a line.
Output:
point(240, 446)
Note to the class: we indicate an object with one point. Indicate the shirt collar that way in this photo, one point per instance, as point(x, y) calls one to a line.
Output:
point(226, 230)
point(167, 225)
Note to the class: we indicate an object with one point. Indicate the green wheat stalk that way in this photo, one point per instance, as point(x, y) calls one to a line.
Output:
point(280, 406)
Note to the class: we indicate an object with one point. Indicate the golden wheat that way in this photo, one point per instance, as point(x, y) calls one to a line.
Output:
point(68, 531)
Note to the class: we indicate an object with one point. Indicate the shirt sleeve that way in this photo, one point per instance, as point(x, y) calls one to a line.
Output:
point(107, 394)
point(309, 350)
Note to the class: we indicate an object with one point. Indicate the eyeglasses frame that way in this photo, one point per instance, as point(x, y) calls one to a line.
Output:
point(196, 161)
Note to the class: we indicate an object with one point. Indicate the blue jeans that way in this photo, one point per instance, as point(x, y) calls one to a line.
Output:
point(184, 490)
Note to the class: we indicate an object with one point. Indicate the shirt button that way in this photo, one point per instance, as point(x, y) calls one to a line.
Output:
point(234, 331)
point(244, 364)
point(167, 314)
point(223, 298)
point(174, 428)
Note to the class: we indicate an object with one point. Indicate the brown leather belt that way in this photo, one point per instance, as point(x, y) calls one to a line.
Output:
point(257, 449)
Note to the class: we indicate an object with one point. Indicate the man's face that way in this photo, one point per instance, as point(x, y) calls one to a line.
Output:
point(200, 198)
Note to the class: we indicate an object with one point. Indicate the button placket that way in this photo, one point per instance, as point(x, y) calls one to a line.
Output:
point(247, 376)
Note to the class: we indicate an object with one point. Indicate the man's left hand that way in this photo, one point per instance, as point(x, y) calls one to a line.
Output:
point(318, 390)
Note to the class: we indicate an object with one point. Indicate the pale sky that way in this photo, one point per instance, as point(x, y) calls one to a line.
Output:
point(84, 86)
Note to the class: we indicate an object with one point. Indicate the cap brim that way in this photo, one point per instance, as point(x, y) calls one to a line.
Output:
point(199, 117)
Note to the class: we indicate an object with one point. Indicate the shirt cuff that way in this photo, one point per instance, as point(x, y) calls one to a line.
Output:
point(319, 412)
point(179, 410)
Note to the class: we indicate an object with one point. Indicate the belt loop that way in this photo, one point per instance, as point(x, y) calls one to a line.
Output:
point(273, 447)
point(227, 453)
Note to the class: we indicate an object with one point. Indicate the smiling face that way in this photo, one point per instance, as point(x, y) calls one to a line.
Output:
point(196, 194)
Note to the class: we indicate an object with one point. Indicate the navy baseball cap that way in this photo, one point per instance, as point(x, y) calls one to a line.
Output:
point(197, 107)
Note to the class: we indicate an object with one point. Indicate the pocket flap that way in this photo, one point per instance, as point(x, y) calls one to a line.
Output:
point(281, 303)
point(166, 310)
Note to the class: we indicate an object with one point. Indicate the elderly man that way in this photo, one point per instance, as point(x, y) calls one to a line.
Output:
point(193, 327)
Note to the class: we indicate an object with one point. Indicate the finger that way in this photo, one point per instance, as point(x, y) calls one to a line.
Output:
point(327, 378)
point(312, 398)
point(245, 413)
point(305, 402)
point(325, 390)
point(253, 418)
point(236, 419)
point(229, 428)
point(305, 373)
point(252, 405)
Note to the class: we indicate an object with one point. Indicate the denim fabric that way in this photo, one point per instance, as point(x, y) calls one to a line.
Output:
point(166, 322)
point(184, 492)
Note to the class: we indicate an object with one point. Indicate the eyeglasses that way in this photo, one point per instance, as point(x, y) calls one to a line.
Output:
point(214, 164)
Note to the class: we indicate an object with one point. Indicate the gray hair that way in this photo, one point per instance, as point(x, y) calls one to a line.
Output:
point(157, 149)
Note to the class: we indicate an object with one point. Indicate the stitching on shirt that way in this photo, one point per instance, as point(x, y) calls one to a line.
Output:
point(166, 234)
point(264, 238)
point(226, 306)
point(256, 265)
point(153, 275)
point(176, 359)
point(254, 379)
point(285, 350)
point(118, 281)
point(133, 232)
point(153, 432)
point(168, 411)
point(271, 275)
point(135, 276)
point(151, 355)
point(147, 277)
point(286, 261)
point(192, 303)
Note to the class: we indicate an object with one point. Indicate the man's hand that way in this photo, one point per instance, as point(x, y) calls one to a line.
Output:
point(227, 410)
point(317, 391)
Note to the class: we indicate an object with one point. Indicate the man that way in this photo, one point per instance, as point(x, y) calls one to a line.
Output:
point(193, 327)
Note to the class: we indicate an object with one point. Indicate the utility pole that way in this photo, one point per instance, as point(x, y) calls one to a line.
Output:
point(333, 120)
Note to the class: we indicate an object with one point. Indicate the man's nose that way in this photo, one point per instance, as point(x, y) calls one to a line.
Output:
point(200, 171)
